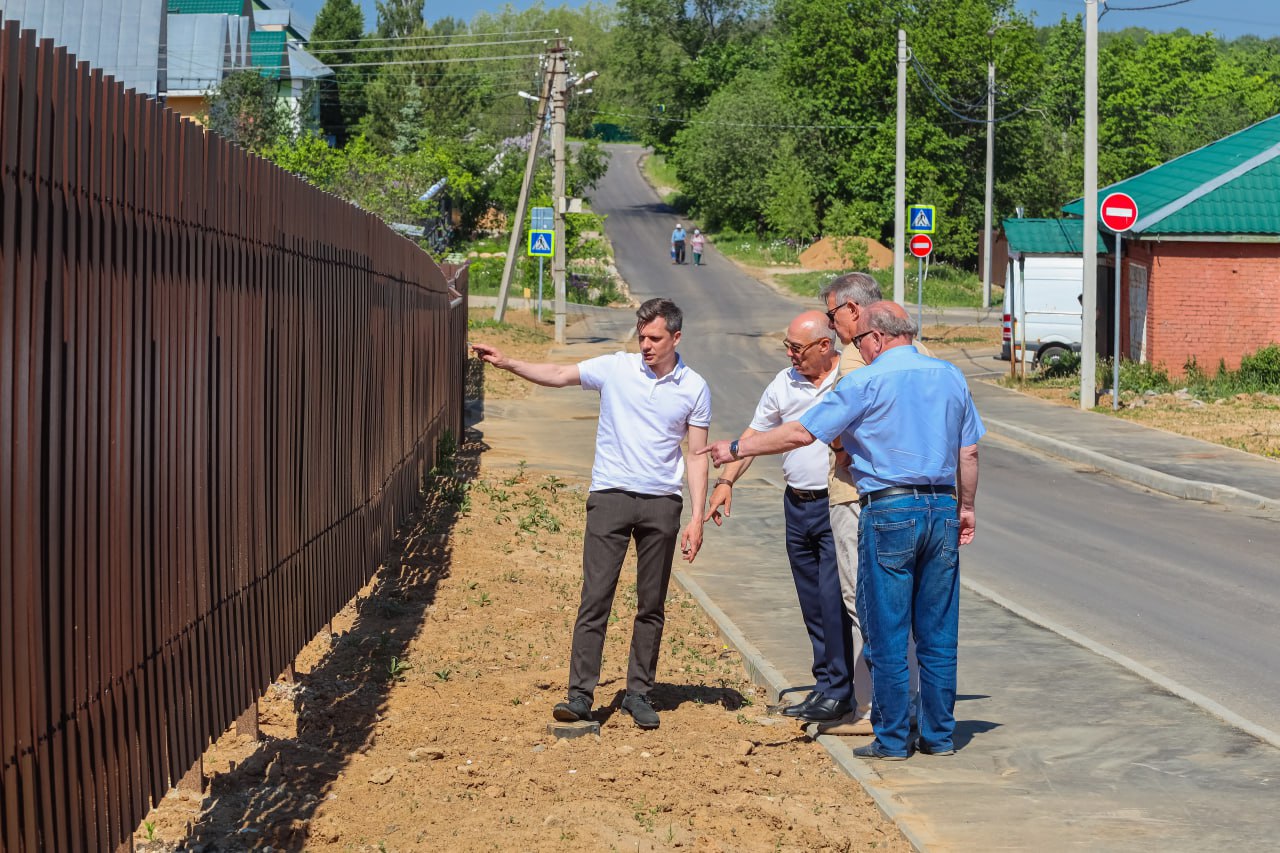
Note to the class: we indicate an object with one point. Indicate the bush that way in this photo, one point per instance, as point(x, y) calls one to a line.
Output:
point(1260, 371)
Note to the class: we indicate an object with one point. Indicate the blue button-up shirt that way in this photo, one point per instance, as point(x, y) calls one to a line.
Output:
point(677, 235)
point(903, 419)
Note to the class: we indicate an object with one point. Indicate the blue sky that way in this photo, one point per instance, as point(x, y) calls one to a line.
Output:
point(1229, 18)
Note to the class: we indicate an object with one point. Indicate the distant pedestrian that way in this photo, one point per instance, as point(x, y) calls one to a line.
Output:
point(811, 548)
point(911, 430)
point(650, 403)
point(698, 243)
point(677, 245)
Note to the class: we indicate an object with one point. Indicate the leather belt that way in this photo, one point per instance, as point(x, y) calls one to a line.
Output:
point(893, 491)
point(807, 495)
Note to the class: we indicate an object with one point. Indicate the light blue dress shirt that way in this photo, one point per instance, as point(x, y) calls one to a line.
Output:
point(903, 419)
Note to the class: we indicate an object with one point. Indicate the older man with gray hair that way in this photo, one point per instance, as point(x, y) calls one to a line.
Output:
point(911, 431)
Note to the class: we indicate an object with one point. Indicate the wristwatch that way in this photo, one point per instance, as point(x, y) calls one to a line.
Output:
point(733, 449)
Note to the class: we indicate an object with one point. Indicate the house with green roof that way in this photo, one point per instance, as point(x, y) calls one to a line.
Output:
point(1200, 268)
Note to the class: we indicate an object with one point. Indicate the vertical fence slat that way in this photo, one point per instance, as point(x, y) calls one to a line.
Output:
point(219, 389)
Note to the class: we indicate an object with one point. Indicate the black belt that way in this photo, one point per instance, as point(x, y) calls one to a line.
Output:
point(807, 495)
point(893, 491)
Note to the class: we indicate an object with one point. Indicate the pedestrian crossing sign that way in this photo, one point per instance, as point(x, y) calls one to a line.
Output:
point(921, 219)
point(541, 243)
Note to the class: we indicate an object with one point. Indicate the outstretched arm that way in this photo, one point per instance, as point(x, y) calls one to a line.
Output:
point(691, 539)
point(540, 373)
point(967, 491)
point(789, 436)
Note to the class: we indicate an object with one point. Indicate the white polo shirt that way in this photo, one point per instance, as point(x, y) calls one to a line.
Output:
point(786, 398)
point(643, 419)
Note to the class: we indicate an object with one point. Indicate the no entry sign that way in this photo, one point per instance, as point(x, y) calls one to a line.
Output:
point(921, 245)
point(1118, 212)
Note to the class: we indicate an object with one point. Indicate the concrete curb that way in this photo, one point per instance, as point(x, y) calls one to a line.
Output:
point(1169, 484)
point(761, 672)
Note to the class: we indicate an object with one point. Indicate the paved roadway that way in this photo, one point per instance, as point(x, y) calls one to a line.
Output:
point(1186, 589)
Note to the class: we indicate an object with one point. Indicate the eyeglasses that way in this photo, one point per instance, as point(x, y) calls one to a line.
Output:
point(831, 315)
point(857, 339)
point(799, 349)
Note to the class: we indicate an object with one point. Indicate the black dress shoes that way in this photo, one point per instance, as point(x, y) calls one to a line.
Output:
point(825, 710)
point(804, 705)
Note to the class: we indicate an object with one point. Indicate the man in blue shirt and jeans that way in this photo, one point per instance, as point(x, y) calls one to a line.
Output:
point(910, 427)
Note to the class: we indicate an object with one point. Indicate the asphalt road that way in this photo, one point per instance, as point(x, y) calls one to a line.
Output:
point(1186, 589)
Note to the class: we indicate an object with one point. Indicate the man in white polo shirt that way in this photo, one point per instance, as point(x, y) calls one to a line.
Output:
point(649, 403)
point(811, 547)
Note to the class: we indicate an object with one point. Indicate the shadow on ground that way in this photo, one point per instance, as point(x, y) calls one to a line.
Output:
point(269, 798)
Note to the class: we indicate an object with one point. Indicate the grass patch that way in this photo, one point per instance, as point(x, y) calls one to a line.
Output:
point(945, 286)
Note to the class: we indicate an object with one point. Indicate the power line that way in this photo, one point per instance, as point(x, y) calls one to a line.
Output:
point(1109, 8)
point(613, 113)
point(309, 47)
point(365, 41)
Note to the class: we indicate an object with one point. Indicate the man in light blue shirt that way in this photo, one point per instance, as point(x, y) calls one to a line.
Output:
point(910, 427)
point(677, 244)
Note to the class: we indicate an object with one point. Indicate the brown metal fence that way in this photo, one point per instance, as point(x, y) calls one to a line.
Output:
point(220, 390)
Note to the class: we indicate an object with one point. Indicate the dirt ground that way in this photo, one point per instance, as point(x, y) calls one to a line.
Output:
point(826, 255)
point(1249, 422)
point(420, 720)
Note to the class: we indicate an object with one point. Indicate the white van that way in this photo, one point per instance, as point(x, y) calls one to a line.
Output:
point(1042, 288)
point(1042, 306)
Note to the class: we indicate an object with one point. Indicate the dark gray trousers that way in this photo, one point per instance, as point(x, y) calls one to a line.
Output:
point(614, 518)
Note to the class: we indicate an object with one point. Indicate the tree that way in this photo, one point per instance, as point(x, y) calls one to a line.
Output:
point(399, 18)
point(788, 207)
point(338, 31)
point(727, 149)
point(246, 109)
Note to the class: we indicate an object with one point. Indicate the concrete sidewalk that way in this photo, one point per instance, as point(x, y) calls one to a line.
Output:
point(1059, 748)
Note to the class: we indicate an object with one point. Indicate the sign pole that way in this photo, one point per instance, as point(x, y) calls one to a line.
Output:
point(540, 260)
point(920, 297)
point(1115, 349)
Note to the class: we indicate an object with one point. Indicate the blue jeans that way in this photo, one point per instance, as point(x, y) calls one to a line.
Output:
point(909, 580)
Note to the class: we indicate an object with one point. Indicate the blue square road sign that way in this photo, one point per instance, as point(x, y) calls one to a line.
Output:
point(921, 219)
point(541, 243)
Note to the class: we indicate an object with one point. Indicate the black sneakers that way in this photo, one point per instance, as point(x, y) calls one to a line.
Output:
point(641, 710)
point(578, 708)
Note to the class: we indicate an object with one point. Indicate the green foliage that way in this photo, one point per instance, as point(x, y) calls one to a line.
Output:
point(788, 208)
point(334, 38)
point(723, 161)
point(246, 109)
point(1259, 373)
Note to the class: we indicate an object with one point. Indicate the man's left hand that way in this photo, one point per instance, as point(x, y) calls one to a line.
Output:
point(968, 523)
point(719, 451)
point(691, 540)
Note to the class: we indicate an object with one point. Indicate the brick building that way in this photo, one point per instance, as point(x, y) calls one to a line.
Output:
point(1200, 275)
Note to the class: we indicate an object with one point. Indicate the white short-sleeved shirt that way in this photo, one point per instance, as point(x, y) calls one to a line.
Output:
point(786, 398)
point(643, 419)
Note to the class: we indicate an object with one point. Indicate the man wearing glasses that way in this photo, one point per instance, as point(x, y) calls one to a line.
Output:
point(810, 544)
point(911, 430)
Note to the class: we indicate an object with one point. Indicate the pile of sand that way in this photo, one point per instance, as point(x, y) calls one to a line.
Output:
point(826, 255)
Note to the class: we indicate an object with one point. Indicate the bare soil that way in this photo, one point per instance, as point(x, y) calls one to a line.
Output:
point(1248, 422)
point(826, 254)
point(419, 721)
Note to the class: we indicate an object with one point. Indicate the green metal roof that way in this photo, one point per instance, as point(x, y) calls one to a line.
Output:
point(1227, 187)
point(1047, 236)
point(266, 49)
point(206, 7)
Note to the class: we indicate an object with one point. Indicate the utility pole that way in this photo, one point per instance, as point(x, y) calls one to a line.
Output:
point(517, 223)
point(1089, 296)
point(559, 84)
point(991, 149)
point(900, 179)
